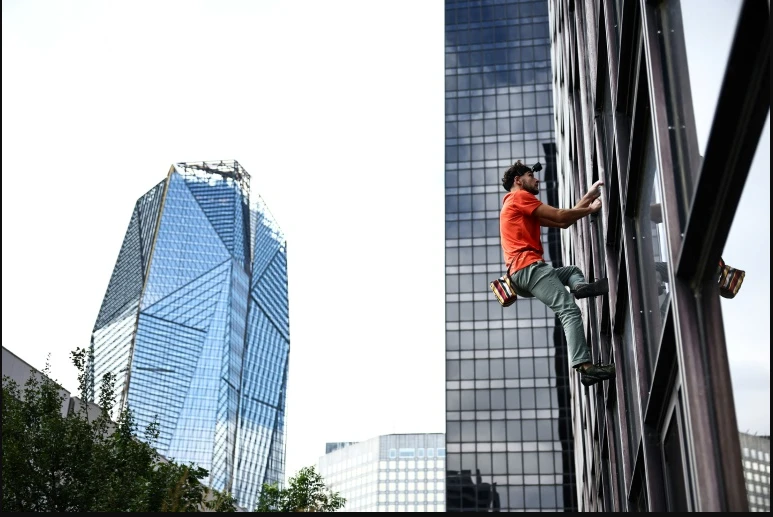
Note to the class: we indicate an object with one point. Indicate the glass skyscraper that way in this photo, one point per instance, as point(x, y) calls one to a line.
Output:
point(195, 326)
point(508, 427)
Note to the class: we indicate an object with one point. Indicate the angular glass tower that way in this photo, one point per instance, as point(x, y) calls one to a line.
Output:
point(508, 427)
point(195, 325)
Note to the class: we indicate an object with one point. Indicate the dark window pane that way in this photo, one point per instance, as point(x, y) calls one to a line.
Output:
point(497, 399)
point(675, 478)
point(452, 401)
point(484, 431)
point(498, 431)
point(514, 434)
point(467, 368)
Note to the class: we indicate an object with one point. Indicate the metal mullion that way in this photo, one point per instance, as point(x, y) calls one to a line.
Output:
point(652, 469)
point(692, 379)
point(660, 125)
point(622, 414)
point(612, 49)
point(701, 456)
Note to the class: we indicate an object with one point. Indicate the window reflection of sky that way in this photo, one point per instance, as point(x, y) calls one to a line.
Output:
point(708, 32)
point(709, 28)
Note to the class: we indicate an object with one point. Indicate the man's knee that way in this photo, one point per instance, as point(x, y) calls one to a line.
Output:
point(576, 271)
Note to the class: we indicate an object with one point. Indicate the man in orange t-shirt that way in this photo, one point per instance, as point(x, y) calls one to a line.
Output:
point(520, 220)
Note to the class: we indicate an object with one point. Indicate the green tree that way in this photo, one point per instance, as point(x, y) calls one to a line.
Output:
point(306, 493)
point(74, 463)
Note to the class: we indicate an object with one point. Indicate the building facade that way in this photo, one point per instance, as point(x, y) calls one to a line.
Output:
point(195, 326)
point(389, 473)
point(646, 101)
point(508, 427)
point(755, 454)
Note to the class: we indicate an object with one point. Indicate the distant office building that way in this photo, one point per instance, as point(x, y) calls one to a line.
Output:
point(195, 325)
point(755, 454)
point(646, 101)
point(508, 427)
point(389, 473)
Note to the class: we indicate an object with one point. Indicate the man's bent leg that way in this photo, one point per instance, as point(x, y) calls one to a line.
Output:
point(544, 283)
point(570, 276)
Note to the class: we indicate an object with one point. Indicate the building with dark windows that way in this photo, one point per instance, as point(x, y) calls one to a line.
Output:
point(755, 454)
point(388, 473)
point(508, 422)
point(666, 102)
point(195, 325)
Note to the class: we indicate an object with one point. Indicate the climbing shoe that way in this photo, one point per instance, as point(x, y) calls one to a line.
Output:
point(596, 373)
point(597, 288)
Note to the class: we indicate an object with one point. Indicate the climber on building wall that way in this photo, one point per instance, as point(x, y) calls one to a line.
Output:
point(520, 220)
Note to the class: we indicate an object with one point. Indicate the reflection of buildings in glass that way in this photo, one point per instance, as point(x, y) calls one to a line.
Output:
point(659, 254)
point(389, 473)
point(334, 446)
point(469, 495)
point(663, 436)
point(195, 325)
point(755, 455)
point(507, 425)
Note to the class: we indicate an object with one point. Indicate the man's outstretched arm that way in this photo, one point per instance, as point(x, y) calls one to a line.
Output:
point(549, 218)
point(547, 223)
point(564, 217)
point(550, 223)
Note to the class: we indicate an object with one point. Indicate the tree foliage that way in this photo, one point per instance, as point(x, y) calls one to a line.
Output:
point(73, 463)
point(306, 493)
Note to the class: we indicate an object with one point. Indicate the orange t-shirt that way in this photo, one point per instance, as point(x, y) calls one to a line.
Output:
point(519, 230)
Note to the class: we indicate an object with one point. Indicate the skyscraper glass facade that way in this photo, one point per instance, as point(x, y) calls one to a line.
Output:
point(508, 434)
point(195, 325)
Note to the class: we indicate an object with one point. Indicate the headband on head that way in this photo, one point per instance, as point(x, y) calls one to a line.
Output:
point(534, 168)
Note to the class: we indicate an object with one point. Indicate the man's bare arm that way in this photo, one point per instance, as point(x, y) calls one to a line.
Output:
point(547, 223)
point(552, 218)
point(565, 217)
point(550, 223)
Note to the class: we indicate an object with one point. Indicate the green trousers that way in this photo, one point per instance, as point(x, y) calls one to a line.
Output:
point(548, 284)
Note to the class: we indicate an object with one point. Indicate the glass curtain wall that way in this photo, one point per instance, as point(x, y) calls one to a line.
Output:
point(195, 326)
point(509, 444)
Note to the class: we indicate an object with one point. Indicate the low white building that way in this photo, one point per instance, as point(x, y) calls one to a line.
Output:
point(20, 372)
point(755, 455)
point(389, 473)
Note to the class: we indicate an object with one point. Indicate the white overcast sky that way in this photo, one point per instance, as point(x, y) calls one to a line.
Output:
point(708, 33)
point(336, 111)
